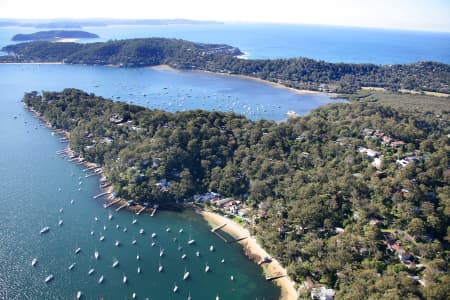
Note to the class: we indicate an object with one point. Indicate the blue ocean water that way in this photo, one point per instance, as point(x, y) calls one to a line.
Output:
point(333, 44)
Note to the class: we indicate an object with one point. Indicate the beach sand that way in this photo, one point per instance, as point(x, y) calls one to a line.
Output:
point(254, 251)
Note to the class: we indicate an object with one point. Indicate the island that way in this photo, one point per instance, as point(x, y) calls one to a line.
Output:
point(53, 35)
point(298, 73)
point(353, 198)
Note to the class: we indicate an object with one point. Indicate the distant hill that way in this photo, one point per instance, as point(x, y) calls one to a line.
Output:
point(54, 34)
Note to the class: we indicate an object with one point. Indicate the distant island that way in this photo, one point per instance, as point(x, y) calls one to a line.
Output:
point(80, 23)
point(54, 35)
point(354, 196)
point(298, 73)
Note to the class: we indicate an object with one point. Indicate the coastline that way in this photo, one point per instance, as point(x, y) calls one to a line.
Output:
point(253, 251)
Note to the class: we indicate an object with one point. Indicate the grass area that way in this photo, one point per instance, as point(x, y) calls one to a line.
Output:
point(409, 102)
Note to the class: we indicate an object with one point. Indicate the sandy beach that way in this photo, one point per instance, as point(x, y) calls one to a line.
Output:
point(254, 251)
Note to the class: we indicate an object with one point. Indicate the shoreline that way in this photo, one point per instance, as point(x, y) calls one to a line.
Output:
point(253, 251)
point(251, 247)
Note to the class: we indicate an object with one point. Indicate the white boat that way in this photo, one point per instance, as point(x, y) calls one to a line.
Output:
point(48, 278)
point(153, 244)
point(153, 235)
point(91, 271)
point(211, 248)
point(34, 262)
point(72, 266)
point(44, 230)
point(117, 243)
point(100, 280)
point(183, 256)
point(61, 210)
point(124, 279)
point(134, 221)
point(160, 268)
point(181, 230)
point(60, 222)
point(92, 232)
point(175, 288)
point(117, 226)
point(96, 219)
point(185, 275)
point(102, 238)
point(138, 257)
point(180, 248)
point(133, 296)
point(189, 297)
point(71, 201)
point(232, 277)
point(222, 261)
point(110, 216)
point(161, 252)
point(168, 229)
point(78, 250)
point(125, 229)
point(206, 268)
point(217, 297)
point(197, 253)
point(115, 263)
point(141, 231)
point(79, 294)
point(104, 227)
point(96, 255)
point(190, 242)
point(139, 270)
point(133, 242)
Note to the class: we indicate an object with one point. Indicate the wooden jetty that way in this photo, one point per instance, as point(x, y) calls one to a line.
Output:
point(73, 158)
point(218, 227)
point(240, 239)
point(111, 203)
point(220, 236)
point(153, 212)
point(89, 175)
point(90, 168)
point(276, 276)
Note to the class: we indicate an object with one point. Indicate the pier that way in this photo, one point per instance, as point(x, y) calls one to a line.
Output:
point(240, 239)
point(140, 211)
point(220, 236)
point(276, 276)
point(90, 168)
point(111, 203)
point(218, 227)
point(73, 158)
point(89, 175)
point(122, 206)
point(153, 212)
point(102, 194)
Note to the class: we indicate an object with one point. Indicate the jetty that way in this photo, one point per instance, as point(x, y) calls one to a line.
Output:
point(276, 276)
point(90, 168)
point(140, 210)
point(220, 236)
point(218, 227)
point(122, 206)
point(154, 211)
point(89, 175)
point(102, 194)
point(111, 203)
point(73, 158)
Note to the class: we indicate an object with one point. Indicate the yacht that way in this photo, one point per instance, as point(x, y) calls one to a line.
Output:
point(44, 230)
point(104, 227)
point(91, 271)
point(71, 201)
point(125, 229)
point(100, 280)
point(175, 288)
point(168, 229)
point(181, 230)
point(61, 210)
point(117, 243)
point(92, 232)
point(183, 256)
point(222, 261)
point(189, 297)
point(133, 296)
point(134, 221)
point(117, 226)
point(186, 274)
point(232, 277)
point(153, 244)
point(78, 250)
point(79, 295)
point(197, 253)
point(133, 242)
point(161, 252)
point(190, 242)
point(102, 238)
point(72, 266)
point(160, 268)
point(153, 235)
point(141, 231)
point(217, 297)
point(96, 219)
point(110, 216)
point(48, 278)
point(96, 255)
point(206, 268)
point(211, 248)
point(60, 222)
point(34, 262)
point(124, 279)
point(139, 270)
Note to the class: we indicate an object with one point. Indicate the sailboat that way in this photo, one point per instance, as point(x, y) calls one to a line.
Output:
point(96, 255)
point(100, 280)
point(34, 262)
point(79, 294)
point(138, 257)
point(78, 250)
point(72, 266)
point(139, 270)
point(115, 263)
point(124, 279)
point(160, 268)
point(175, 288)
point(206, 268)
point(211, 248)
point(161, 252)
point(91, 271)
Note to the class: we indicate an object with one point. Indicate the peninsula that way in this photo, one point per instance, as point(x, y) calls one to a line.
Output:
point(54, 35)
point(298, 73)
point(353, 197)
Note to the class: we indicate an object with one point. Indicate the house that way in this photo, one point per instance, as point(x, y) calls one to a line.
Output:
point(403, 255)
point(322, 293)
point(396, 144)
point(222, 202)
point(402, 162)
point(377, 162)
point(116, 119)
point(369, 152)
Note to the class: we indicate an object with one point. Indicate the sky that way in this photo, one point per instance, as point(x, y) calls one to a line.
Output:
point(427, 15)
